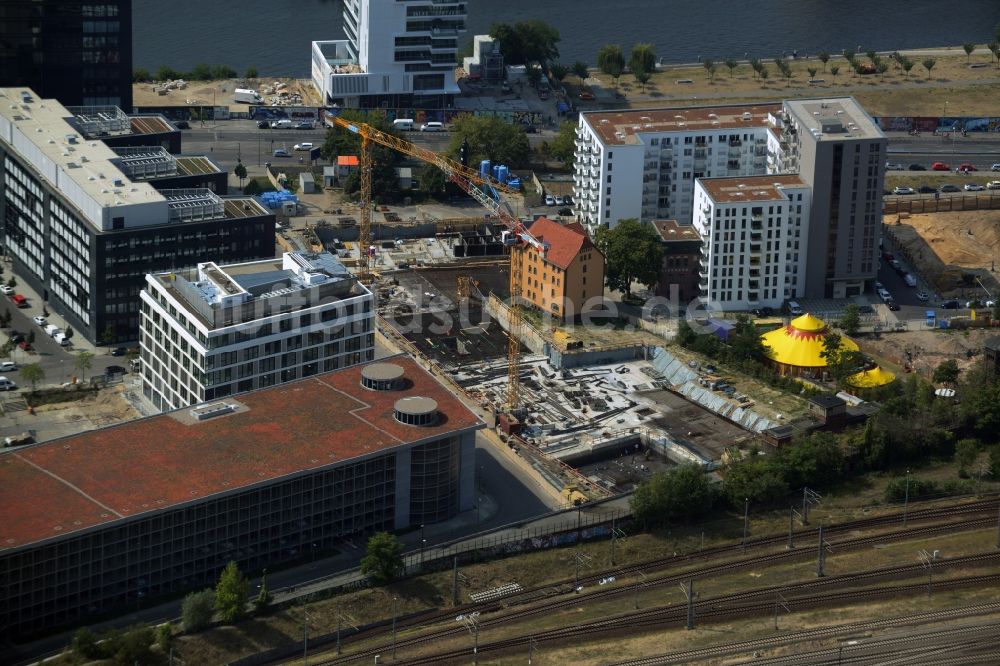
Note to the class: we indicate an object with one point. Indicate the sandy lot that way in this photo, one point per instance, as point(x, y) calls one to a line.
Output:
point(946, 245)
point(929, 348)
point(218, 93)
point(106, 408)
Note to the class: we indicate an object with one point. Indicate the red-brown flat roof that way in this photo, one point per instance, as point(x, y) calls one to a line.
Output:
point(73, 483)
point(620, 127)
point(748, 188)
point(670, 231)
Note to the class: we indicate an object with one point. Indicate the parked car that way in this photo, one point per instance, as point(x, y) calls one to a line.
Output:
point(903, 190)
point(950, 305)
point(20, 300)
point(995, 167)
point(182, 124)
point(993, 185)
point(16, 336)
point(550, 200)
point(926, 189)
point(968, 304)
point(543, 95)
point(967, 167)
point(24, 345)
point(586, 95)
point(263, 124)
point(893, 306)
point(762, 312)
point(306, 145)
point(893, 166)
point(923, 296)
point(917, 167)
point(7, 291)
point(281, 152)
point(118, 351)
point(304, 125)
point(114, 370)
point(940, 166)
point(8, 366)
point(7, 385)
point(950, 188)
point(40, 320)
point(19, 439)
point(432, 126)
point(568, 200)
point(565, 211)
point(973, 187)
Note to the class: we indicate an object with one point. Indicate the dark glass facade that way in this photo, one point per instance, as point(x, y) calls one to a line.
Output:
point(434, 479)
point(79, 53)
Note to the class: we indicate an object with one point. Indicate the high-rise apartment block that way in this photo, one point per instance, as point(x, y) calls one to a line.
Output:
point(213, 331)
point(76, 51)
point(648, 164)
point(398, 53)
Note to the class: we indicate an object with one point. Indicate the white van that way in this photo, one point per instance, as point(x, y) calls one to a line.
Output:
point(61, 339)
point(403, 124)
point(795, 308)
point(432, 126)
point(282, 124)
point(910, 280)
point(52, 329)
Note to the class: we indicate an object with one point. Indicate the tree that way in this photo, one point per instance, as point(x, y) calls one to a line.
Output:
point(881, 68)
point(824, 58)
point(383, 560)
point(633, 253)
point(815, 460)
point(83, 362)
point(841, 363)
point(12, 282)
point(68, 332)
point(133, 645)
point(30, 337)
point(763, 73)
point(240, 172)
point(580, 70)
point(168, 74)
point(527, 41)
point(928, 64)
point(966, 452)
point(731, 65)
point(611, 61)
point(433, 180)
point(490, 138)
point(834, 70)
point(968, 47)
point(85, 644)
point(563, 146)
point(558, 71)
point(907, 65)
point(164, 636)
point(33, 373)
point(251, 73)
point(197, 610)
point(6, 349)
point(642, 58)
point(140, 75)
point(812, 72)
point(642, 77)
point(253, 188)
point(872, 55)
point(754, 478)
point(223, 72)
point(385, 183)
point(709, 66)
point(263, 601)
point(683, 494)
point(994, 48)
point(946, 372)
point(231, 594)
point(756, 65)
point(850, 321)
point(5, 317)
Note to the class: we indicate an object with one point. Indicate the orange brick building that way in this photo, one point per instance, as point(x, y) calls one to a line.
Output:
point(567, 275)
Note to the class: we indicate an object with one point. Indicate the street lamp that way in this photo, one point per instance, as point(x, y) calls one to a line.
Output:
point(906, 497)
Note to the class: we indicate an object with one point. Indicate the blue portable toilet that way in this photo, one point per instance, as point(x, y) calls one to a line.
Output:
point(502, 173)
point(484, 168)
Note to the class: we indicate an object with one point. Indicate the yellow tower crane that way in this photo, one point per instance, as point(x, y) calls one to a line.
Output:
point(484, 190)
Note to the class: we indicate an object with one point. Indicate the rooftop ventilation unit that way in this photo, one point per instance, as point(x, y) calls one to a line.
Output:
point(382, 377)
point(416, 411)
point(204, 412)
point(25, 96)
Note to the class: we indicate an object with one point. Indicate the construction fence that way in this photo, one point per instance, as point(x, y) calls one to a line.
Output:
point(942, 203)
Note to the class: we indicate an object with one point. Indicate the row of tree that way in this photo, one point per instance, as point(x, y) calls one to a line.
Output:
point(200, 72)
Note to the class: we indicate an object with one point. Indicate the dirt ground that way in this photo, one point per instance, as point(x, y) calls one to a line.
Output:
point(217, 93)
point(52, 421)
point(929, 348)
point(967, 90)
point(944, 245)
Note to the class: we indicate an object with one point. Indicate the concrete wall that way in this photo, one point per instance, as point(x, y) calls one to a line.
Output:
point(528, 336)
point(575, 358)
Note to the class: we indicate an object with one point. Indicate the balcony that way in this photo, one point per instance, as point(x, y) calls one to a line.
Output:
point(756, 236)
point(755, 248)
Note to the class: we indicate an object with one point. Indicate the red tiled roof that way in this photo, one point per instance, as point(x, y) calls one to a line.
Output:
point(565, 240)
point(77, 482)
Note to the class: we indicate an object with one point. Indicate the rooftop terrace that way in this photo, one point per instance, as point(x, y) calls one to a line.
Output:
point(623, 127)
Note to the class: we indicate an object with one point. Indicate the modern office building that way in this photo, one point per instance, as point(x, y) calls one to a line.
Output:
point(84, 223)
point(755, 232)
point(645, 163)
point(75, 51)
point(561, 280)
point(156, 166)
point(217, 330)
point(124, 515)
point(396, 54)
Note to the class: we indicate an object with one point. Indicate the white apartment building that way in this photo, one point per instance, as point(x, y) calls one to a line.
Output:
point(755, 231)
point(643, 164)
point(216, 330)
point(396, 51)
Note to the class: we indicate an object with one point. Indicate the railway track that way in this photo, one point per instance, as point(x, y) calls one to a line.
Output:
point(806, 538)
point(666, 616)
point(748, 647)
point(636, 618)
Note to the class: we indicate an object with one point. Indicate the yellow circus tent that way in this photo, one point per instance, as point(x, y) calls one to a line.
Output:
point(797, 347)
point(873, 378)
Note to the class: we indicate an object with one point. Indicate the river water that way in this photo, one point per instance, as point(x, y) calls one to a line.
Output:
point(274, 35)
